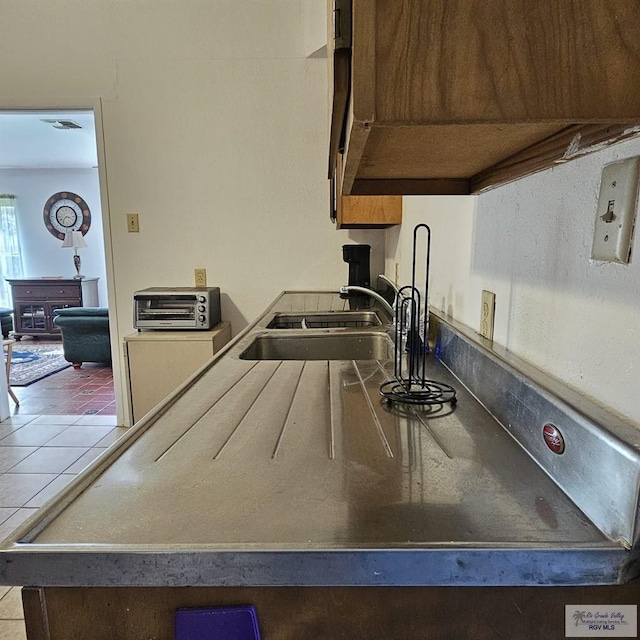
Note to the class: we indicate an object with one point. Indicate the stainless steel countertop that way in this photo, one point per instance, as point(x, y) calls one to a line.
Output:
point(294, 472)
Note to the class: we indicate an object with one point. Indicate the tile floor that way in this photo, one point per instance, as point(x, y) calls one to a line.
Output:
point(63, 423)
point(85, 391)
point(39, 455)
point(11, 616)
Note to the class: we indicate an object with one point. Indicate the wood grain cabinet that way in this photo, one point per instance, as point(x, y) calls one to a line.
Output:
point(456, 97)
point(158, 362)
point(35, 301)
point(364, 212)
point(293, 613)
point(349, 212)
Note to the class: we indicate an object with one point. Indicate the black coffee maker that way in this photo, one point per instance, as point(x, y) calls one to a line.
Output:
point(357, 256)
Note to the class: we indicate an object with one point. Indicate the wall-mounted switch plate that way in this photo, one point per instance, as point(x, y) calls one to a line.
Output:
point(133, 225)
point(616, 213)
point(487, 314)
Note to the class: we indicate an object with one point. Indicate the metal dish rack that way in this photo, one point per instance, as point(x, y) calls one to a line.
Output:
point(410, 384)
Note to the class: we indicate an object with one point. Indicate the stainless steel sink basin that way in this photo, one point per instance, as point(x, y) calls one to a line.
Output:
point(329, 320)
point(351, 346)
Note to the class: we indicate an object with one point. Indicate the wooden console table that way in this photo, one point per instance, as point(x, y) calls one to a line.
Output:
point(36, 299)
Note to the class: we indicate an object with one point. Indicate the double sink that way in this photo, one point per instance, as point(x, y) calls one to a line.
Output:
point(334, 335)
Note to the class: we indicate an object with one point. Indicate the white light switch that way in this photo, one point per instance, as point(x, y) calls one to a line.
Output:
point(616, 212)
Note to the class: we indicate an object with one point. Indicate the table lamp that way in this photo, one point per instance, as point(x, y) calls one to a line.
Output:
point(74, 240)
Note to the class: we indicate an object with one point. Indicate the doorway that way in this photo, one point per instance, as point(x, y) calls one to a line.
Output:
point(49, 159)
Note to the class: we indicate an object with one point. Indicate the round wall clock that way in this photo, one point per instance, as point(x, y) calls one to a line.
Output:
point(66, 211)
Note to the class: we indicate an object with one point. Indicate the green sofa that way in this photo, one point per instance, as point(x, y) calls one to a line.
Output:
point(6, 321)
point(85, 334)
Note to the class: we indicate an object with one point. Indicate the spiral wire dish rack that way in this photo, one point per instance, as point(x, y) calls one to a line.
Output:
point(410, 384)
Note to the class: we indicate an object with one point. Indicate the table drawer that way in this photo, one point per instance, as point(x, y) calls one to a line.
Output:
point(46, 292)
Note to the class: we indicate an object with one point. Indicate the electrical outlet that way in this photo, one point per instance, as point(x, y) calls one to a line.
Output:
point(616, 213)
point(487, 314)
point(132, 223)
point(200, 277)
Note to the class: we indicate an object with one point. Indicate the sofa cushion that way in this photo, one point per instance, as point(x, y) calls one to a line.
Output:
point(83, 311)
point(85, 334)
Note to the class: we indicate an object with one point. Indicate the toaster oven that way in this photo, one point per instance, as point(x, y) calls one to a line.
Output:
point(176, 308)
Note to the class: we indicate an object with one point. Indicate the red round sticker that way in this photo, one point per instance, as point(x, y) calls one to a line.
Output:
point(553, 438)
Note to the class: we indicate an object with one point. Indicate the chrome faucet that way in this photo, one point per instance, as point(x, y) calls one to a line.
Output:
point(398, 306)
point(390, 282)
point(370, 292)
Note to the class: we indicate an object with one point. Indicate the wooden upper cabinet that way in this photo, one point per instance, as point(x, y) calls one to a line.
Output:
point(346, 211)
point(370, 212)
point(458, 96)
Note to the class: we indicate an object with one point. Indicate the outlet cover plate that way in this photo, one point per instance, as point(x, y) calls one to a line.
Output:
point(200, 277)
point(616, 212)
point(487, 314)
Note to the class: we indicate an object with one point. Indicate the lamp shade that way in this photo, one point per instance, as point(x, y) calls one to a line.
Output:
point(73, 240)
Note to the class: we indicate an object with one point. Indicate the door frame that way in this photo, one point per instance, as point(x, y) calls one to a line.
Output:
point(94, 105)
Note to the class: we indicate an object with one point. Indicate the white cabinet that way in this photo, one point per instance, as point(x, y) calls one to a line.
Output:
point(89, 292)
point(158, 362)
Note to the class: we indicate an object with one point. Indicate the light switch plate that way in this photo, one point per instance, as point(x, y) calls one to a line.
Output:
point(616, 212)
point(133, 225)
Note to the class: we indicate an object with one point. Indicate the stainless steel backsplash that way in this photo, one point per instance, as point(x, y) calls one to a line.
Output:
point(600, 466)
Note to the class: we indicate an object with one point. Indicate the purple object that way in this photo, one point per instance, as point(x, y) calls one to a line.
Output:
point(217, 623)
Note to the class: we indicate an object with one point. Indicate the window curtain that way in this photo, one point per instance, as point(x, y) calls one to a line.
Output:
point(10, 256)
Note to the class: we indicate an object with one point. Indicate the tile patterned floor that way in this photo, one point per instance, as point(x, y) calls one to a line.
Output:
point(39, 455)
point(63, 423)
point(85, 391)
point(11, 616)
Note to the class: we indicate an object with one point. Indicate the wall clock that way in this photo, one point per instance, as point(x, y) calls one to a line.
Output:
point(66, 211)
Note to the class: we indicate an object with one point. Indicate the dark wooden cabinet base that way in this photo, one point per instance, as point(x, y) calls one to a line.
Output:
point(35, 301)
point(332, 613)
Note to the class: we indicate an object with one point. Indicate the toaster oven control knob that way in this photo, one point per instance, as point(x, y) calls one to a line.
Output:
point(201, 307)
point(201, 299)
point(201, 318)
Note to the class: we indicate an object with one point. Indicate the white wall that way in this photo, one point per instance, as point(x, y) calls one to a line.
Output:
point(215, 132)
point(530, 243)
point(41, 252)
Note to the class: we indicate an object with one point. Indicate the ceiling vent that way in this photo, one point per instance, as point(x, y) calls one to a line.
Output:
point(62, 124)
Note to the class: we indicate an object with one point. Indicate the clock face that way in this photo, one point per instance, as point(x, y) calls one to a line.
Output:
point(66, 211)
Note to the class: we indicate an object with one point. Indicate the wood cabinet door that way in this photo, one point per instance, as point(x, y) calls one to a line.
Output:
point(369, 211)
point(362, 211)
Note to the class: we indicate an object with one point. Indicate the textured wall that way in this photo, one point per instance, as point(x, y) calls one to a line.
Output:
point(530, 243)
